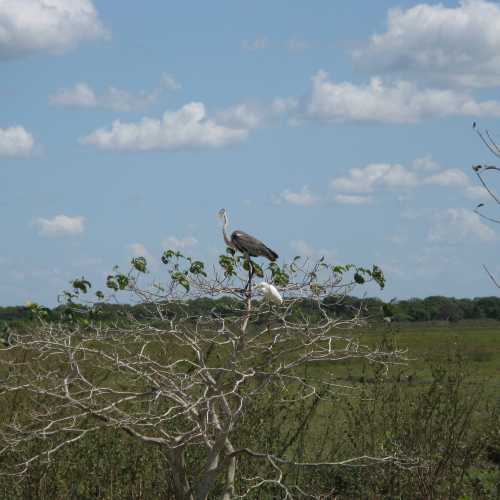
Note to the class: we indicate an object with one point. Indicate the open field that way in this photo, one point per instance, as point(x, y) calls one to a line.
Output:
point(441, 406)
point(478, 343)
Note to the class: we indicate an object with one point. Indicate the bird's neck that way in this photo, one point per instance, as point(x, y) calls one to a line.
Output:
point(224, 233)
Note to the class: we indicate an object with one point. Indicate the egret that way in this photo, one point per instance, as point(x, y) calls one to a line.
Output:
point(270, 292)
point(245, 243)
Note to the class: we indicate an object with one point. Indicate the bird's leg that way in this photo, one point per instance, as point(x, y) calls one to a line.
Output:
point(248, 287)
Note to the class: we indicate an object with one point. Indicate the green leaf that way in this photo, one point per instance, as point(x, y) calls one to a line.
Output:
point(81, 284)
point(167, 256)
point(122, 281)
point(358, 278)
point(197, 267)
point(258, 270)
point(139, 263)
point(228, 264)
point(378, 276)
point(111, 283)
point(181, 279)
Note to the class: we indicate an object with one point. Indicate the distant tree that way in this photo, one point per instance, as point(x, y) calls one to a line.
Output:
point(190, 383)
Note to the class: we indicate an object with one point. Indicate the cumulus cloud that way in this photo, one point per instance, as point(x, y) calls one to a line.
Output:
point(15, 141)
point(28, 26)
point(380, 176)
point(252, 115)
point(183, 129)
point(451, 177)
point(244, 115)
point(83, 96)
point(367, 179)
point(388, 102)
point(457, 224)
point(80, 95)
point(458, 45)
point(60, 225)
point(174, 243)
point(303, 197)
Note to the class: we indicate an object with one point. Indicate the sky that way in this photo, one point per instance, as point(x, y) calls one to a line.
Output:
point(341, 129)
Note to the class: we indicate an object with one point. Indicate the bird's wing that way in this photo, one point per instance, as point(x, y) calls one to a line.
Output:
point(246, 243)
point(275, 294)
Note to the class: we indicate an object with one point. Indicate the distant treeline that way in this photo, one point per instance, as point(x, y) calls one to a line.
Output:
point(434, 308)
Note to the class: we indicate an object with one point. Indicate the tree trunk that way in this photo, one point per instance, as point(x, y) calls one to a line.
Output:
point(181, 484)
point(230, 473)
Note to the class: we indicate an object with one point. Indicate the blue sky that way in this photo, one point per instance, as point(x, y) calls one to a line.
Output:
point(340, 128)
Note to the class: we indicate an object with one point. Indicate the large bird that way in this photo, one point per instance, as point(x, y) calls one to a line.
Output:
point(245, 243)
point(270, 292)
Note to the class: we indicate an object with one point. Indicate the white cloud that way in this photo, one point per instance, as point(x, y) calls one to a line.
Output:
point(388, 102)
point(60, 225)
point(477, 193)
point(303, 197)
point(459, 45)
point(82, 95)
point(244, 115)
point(174, 243)
point(421, 172)
point(252, 115)
point(28, 26)
point(367, 179)
point(457, 224)
point(183, 129)
point(15, 141)
point(451, 177)
point(258, 43)
point(284, 105)
point(425, 164)
point(352, 199)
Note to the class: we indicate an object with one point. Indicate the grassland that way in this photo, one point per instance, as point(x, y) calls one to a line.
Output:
point(442, 405)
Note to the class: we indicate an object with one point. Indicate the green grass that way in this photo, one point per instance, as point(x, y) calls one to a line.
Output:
point(478, 345)
point(416, 406)
point(428, 344)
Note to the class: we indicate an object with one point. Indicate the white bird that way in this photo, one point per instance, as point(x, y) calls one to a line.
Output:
point(270, 292)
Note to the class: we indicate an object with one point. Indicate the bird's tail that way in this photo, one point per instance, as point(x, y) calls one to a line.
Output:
point(271, 255)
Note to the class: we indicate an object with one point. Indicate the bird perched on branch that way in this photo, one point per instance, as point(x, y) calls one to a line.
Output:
point(245, 243)
point(270, 292)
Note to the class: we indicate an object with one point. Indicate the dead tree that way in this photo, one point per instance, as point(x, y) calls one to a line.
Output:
point(183, 379)
point(480, 171)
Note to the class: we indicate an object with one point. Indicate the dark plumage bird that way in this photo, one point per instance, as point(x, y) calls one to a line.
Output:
point(245, 243)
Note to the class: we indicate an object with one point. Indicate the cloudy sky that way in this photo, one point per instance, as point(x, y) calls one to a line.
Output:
point(335, 128)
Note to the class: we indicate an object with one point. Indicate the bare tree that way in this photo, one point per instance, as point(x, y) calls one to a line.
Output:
point(480, 171)
point(184, 378)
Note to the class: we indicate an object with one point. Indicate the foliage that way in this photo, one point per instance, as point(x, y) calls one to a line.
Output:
point(434, 308)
